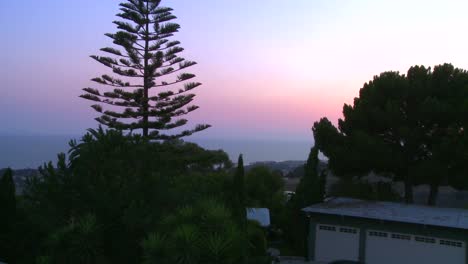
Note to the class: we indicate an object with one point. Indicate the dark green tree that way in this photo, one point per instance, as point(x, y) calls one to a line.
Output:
point(311, 188)
point(239, 190)
point(264, 188)
point(8, 216)
point(240, 205)
point(398, 124)
point(7, 195)
point(146, 59)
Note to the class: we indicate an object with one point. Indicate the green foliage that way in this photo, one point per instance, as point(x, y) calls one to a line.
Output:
point(191, 187)
point(263, 187)
point(257, 245)
point(203, 233)
point(239, 196)
point(49, 196)
point(399, 123)
point(7, 197)
point(145, 52)
point(80, 242)
point(8, 216)
point(127, 183)
point(311, 190)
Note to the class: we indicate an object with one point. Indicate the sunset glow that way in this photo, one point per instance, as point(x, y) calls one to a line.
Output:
point(269, 68)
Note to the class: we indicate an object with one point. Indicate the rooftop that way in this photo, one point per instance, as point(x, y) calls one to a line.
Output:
point(398, 212)
point(261, 215)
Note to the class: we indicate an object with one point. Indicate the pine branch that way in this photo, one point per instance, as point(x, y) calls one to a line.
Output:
point(181, 78)
point(173, 62)
point(186, 133)
point(110, 81)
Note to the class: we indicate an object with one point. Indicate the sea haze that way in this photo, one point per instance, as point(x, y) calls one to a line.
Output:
point(19, 152)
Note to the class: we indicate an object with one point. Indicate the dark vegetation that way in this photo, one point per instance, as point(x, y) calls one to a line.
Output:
point(410, 128)
point(120, 197)
point(116, 195)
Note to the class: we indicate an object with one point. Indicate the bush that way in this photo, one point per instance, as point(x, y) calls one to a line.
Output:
point(203, 233)
point(127, 183)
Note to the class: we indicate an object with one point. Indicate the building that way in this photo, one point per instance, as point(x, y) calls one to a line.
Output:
point(386, 233)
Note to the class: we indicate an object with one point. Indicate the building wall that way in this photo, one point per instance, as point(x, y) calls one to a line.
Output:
point(367, 224)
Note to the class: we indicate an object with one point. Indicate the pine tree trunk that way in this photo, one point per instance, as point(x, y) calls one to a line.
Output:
point(434, 191)
point(146, 82)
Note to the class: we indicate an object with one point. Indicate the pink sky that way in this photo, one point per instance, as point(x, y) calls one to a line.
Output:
point(270, 68)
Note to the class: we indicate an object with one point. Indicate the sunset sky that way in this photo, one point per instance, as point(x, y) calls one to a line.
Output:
point(269, 68)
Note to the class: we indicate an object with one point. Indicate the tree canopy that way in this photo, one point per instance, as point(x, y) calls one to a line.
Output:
point(264, 188)
point(114, 189)
point(402, 125)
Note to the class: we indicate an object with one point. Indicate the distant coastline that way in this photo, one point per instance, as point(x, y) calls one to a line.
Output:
point(29, 151)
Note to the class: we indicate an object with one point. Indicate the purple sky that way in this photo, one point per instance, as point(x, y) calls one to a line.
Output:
point(270, 68)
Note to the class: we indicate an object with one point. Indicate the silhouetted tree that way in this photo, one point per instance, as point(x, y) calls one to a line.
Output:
point(146, 53)
point(311, 188)
point(239, 190)
point(127, 183)
point(8, 216)
point(264, 188)
point(7, 195)
point(398, 124)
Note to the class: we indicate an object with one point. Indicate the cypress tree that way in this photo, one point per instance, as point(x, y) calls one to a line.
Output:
point(239, 187)
point(144, 95)
point(311, 188)
point(240, 207)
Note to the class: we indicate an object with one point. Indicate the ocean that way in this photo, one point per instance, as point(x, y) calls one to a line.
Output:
point(20, 152)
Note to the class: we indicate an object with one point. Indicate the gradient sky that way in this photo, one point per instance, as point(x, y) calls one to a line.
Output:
point(270, 68)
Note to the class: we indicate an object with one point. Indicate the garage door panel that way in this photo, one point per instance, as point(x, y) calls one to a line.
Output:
point(336, 243)
point(390, 248)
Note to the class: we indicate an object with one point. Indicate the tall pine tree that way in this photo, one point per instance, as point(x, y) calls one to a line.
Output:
point(311, 188)
point(148, 64)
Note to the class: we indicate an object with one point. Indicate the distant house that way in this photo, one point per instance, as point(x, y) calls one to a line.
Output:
point(386, 233)
point(260, 215)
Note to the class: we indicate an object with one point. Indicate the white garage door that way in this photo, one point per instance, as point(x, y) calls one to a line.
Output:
point(390, 248)
point(336, 243)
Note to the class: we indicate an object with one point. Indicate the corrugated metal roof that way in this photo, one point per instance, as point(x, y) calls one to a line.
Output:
point(398, 212)
point(261, 215)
